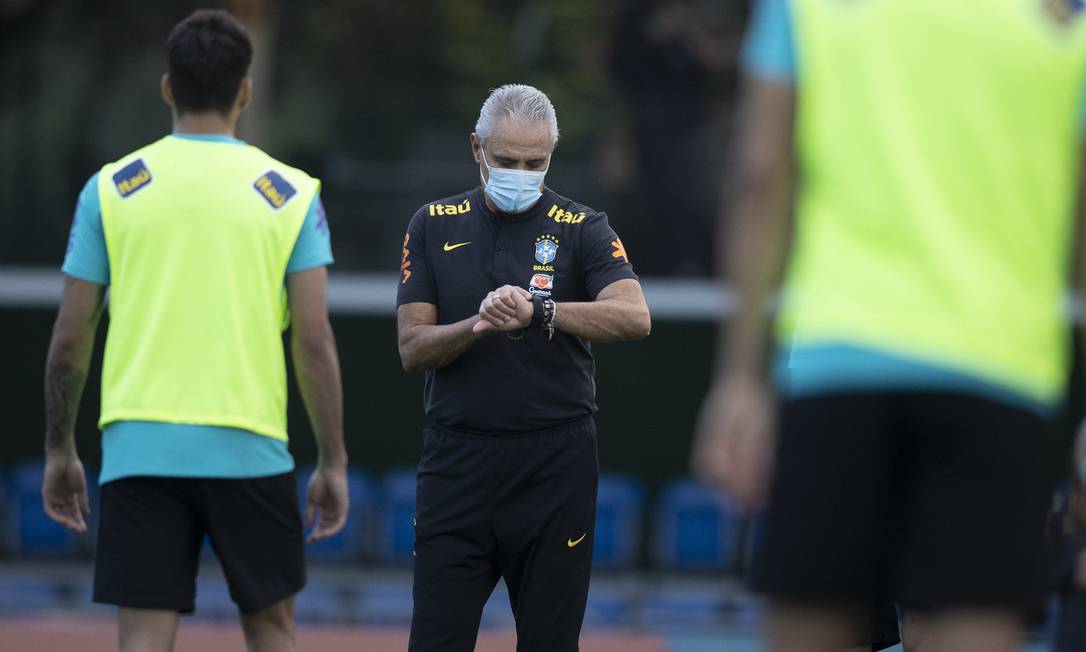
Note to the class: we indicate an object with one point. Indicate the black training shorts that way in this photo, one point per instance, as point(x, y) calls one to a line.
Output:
point(936, 499)
point(151, 530)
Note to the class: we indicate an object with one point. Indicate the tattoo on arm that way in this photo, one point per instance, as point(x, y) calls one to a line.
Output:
point(69, 359)
point(63, 389)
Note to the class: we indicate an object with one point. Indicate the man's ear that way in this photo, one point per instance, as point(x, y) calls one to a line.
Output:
point(167, 90)
point(476, 147)
point(245, 93)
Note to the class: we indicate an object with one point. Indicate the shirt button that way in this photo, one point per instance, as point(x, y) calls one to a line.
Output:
point(501, 246)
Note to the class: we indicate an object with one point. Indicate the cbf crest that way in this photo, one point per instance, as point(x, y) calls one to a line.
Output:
point(1064, 12)
point(546, 249)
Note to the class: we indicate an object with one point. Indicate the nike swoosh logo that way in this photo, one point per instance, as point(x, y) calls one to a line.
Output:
point(571, 543)
point(449, 247)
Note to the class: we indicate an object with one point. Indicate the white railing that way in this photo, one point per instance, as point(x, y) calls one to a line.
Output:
point(375, 294)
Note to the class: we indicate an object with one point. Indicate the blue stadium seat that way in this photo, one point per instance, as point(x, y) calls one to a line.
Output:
point(354, 542)
point(696, 529)
point(33, 533)
point(396, 520)
point(619, 506)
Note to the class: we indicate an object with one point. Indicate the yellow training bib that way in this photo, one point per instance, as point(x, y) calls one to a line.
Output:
point(199, 234)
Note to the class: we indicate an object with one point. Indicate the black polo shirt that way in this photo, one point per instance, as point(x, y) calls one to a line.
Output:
point(456, 251)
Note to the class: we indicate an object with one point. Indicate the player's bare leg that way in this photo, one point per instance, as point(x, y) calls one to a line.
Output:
point(796, 628)
point(146, 630)
point(977, 630)
point(272, 629)
point(915, 632)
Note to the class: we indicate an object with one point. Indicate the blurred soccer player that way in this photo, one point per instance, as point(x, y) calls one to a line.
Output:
point(1067, 533)
point(196, 235)
point(932, 151)
point(507, 479)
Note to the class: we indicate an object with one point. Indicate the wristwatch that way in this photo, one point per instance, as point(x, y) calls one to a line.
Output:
point(538, 312)
point(543, 312)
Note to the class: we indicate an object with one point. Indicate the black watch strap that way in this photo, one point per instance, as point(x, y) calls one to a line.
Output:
point(537, 311)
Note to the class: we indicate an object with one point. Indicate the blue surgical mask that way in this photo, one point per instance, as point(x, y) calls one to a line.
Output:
point(512, 191)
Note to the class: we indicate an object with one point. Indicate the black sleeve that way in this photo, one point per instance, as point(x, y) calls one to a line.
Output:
point(416, 281)
point(603, 255)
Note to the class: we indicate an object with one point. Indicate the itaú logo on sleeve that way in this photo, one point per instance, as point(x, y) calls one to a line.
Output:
point(541, 284)
point(564, 216)
point(450, 209)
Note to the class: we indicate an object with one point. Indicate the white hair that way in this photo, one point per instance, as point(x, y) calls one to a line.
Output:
point(519, 102)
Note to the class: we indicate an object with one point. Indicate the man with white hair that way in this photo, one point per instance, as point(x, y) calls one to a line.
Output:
point(503, 288)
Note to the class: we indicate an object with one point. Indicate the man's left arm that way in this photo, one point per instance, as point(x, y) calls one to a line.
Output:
point(618, 313)
point(64, 489)
point(618, 310)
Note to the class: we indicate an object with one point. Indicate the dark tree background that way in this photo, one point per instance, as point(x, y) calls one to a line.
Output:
point(377, 98)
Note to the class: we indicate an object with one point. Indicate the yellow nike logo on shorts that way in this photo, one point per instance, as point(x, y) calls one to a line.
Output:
point(449, 247)
point(571, 543)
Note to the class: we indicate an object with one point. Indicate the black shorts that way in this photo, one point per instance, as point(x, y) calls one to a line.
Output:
point(936, 499)
point(151, 530)
point(521, 507)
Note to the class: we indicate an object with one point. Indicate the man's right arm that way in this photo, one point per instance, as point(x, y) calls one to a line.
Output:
point(86, 273)
point(735, 441)
point(64, 491)
point(423, 343)
point(426, 345)
point(735, 433)
point(1078, 288)
point(758, 226)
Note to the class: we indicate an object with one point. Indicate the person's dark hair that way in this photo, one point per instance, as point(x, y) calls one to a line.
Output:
point(208, 56)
